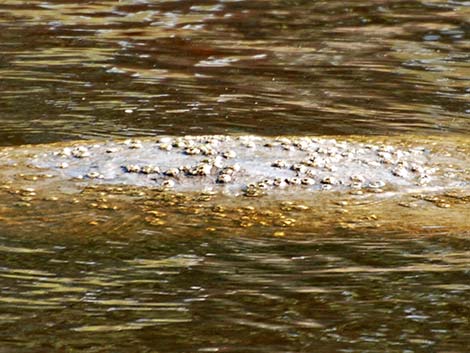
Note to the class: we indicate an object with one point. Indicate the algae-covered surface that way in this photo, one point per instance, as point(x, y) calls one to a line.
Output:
point(354, 186)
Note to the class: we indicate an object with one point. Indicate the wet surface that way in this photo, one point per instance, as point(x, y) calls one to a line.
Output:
point(158, 271)
point(102, 68)
point(89, 267)
point(142, 290)
point(253, 164)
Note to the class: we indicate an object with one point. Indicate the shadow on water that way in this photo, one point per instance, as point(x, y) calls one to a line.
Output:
point(103, 68)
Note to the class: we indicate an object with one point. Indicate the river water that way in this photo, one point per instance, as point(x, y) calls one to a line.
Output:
point(101, 69)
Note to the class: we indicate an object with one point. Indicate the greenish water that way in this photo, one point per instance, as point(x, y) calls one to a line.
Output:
point(102, 69)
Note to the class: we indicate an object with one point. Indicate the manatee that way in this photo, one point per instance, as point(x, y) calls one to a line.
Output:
point(397, 181)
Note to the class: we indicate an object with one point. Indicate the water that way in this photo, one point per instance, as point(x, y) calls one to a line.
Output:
point(154, 292)
point(76, 278)
point(72, 70)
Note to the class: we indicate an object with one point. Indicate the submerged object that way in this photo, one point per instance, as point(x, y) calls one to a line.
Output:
point(235, 164)
point(391, 179)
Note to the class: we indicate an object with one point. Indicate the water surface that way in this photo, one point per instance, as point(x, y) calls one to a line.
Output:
point(146, 291)
point(77, 279)
point(103, 68)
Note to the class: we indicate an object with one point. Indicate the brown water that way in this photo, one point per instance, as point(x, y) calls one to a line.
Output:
point(71, 70)
point(155, 292)
point(99, 69)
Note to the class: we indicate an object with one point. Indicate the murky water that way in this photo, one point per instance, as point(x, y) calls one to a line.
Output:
point(99, 68)
point(149, 291)
point(77, 278)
